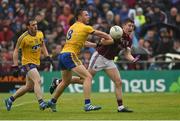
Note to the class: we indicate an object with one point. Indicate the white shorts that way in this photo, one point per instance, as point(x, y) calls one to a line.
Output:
point(98, 62)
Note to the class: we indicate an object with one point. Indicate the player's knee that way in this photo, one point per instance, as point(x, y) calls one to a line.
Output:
point(29, 87)
point(118, 83)
point(66, 83)
point(89, 77)
point(38, 82)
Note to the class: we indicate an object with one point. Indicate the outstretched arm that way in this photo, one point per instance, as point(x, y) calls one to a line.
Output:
point(128, 55)
point(106, 39)
point(15, 57)
point(90, 44)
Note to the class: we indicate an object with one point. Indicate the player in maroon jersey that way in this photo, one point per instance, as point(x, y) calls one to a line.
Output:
point(102, 59)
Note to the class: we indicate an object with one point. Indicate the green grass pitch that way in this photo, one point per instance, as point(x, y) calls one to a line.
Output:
point(146, 106)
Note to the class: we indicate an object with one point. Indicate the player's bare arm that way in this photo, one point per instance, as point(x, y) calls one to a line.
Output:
point(45, 52)
point(128, 55)
point(107, 38)
point(90, 44)
point(15, 53)
point(44, 49)
point(15, 57)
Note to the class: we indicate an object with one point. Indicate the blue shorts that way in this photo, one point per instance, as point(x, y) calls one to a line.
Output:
point(68, 60)
point(27, 67)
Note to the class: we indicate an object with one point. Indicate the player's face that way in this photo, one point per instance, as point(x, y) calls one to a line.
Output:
point(128, 28)
point(85, 17)
point(33, 27)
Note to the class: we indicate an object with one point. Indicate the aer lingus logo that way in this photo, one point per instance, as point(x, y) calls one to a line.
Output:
point(175, 86)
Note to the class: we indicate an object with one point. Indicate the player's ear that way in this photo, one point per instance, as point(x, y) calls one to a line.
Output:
point(123, 25)
point(79, 17)
point(27, 26)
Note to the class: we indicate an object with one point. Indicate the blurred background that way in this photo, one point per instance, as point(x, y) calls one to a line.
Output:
point(156, 37)
point(149, 83)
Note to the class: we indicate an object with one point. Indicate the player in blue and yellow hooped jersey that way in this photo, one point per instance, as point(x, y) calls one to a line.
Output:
point(76, 39)
point(31, 44)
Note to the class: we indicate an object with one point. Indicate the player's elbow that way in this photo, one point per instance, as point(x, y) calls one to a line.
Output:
point(15, 53)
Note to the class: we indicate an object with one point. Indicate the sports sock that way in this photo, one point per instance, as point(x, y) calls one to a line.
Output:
point(40, 101)
point(120, 107)
point(53, 100)
point(87, 101)
point(120, 102)
point(59, 81)
point(11, 99)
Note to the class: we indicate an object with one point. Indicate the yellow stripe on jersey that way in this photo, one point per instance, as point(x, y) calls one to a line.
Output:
point(75, 59)
point(76, 37)
point(31, 47)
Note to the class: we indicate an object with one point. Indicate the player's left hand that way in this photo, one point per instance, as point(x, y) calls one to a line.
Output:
point(48, 58)
point(98, 44)
point(15, 71)
point(136, 59)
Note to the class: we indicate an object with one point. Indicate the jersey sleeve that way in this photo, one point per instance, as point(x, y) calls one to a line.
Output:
point(130, 42)
point(89, 29)
point(41, 36)
point(20, 42)
point(126, 41)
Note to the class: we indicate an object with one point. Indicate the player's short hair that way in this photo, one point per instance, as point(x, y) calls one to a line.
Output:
point(79, 12)
point(127, 21)
point(28, 21)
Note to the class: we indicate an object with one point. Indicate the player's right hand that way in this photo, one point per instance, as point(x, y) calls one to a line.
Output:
point(15, 70)
point(48, 58)
point(136, 59)
point(98, 43)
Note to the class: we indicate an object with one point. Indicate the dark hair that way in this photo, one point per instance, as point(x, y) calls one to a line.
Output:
point(29, 20)
point(72, 21)
point(79, 12)
point(127, 20)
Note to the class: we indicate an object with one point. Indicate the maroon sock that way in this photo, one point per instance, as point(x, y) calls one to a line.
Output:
point(120, 102)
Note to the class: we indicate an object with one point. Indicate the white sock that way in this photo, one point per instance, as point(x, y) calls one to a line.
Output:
point(10, 100)
point(120, 107)
point(88, 104)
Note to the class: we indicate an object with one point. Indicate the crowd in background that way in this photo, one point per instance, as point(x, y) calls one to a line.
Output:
point(157, 25)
